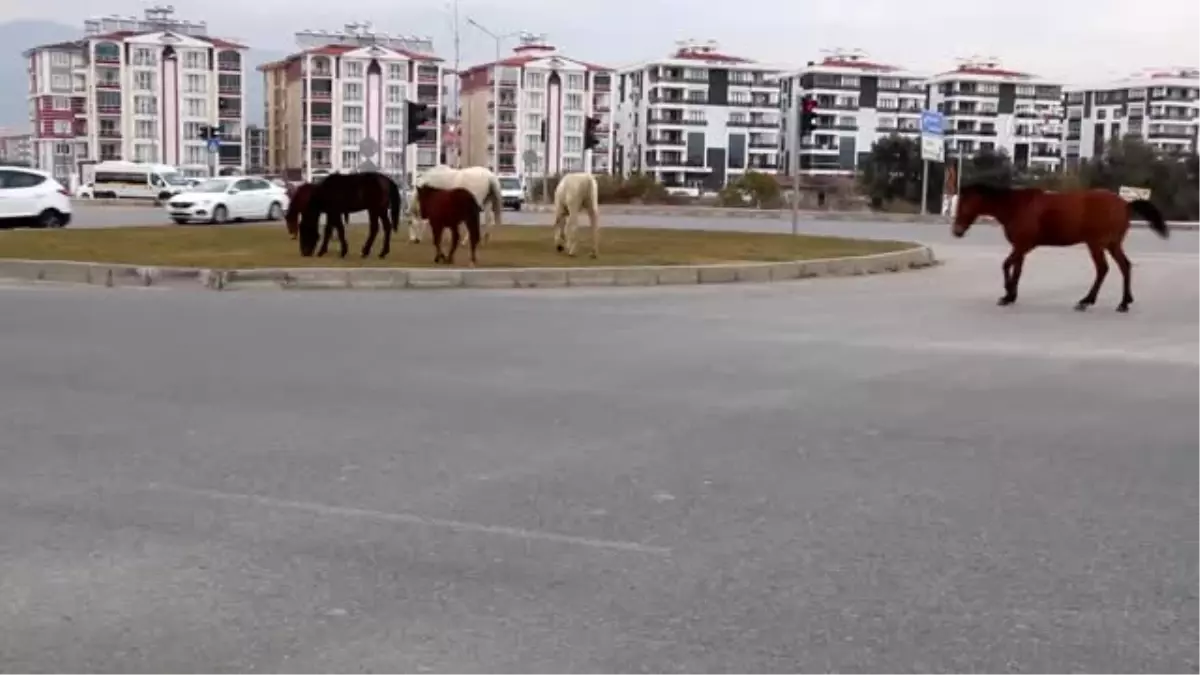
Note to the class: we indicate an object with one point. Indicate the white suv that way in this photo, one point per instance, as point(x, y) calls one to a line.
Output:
point(33, 197)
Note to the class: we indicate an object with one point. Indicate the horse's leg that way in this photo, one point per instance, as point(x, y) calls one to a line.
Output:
point(373, 218)
point(1012, 267)
point(1097, 252)
point(594, 223)
point(437, 241)
point(571, 232)
point(342, 220)
point(329, 226)
point(388, 226)
point(454, 239)
point(473, 235)
point(1126, 267)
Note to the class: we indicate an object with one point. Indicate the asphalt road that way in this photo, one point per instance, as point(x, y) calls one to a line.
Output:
point(883, 474)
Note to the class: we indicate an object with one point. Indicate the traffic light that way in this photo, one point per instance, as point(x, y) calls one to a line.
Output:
point(590, 138)
point(418, 114)
point(808, 115)
point(205, 132)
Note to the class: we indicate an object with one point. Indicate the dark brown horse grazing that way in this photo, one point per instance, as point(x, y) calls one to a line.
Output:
point(340, 194)
point(1033, 217)
point(298, 197)
point(445, 209)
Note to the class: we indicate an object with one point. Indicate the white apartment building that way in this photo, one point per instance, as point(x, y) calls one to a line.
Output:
point(989, 106)
point(1162, 107)
point(858, 100)
point(342, 88)
point(525, 114)
point(698, 118)
point(136, 89)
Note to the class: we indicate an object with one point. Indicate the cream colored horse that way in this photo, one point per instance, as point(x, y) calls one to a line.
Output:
point(478, 180)
point(576, 191)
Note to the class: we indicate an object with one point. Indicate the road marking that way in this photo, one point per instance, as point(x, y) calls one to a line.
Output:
point(412, 519)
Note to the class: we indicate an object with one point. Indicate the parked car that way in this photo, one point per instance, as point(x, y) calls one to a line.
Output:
point(32, 197)
point(220, 200)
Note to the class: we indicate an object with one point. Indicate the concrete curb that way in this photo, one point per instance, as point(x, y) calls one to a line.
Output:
point(110, 275)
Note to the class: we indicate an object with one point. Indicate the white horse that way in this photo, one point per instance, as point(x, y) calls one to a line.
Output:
point(575, 191)
point(478, 180)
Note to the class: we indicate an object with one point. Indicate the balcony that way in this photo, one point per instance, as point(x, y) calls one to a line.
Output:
point(764, 145)
point(229, 90)
point(428, 100)
point(503, 104)
point(679, 121)
point(321, 142)
point(227, 66)
point(818, 147)
point(321, 118)
point(602, 107)
point(602, 85)
point(666, 141)
point(763, 166)
point(229, 114)
point(321, 94)
point(108, 109)
point(321, 72)
point(427, 76)
point(502, 147)
point(108, 57)
point(108, 84)
point(108, 133)
point(759, 123)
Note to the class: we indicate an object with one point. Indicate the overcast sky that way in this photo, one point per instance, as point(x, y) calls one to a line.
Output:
point(1074, 39)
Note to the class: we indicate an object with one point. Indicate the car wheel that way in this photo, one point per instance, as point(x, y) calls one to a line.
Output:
point(50, 219)
point(220, 215)
point(517, 206)
point(180, 221)
point(275, 212)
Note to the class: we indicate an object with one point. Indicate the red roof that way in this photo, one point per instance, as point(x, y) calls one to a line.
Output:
point(835, 62)
point(986, 70)
point(339, 49)
point(121, 35)
point(693, 54)
point(519, 60)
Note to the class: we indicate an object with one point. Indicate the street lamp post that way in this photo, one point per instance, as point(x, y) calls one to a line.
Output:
point(499, 38)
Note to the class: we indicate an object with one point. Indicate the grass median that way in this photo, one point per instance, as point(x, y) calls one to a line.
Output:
point(250, 246)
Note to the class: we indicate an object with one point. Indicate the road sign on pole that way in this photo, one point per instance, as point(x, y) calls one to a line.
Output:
point(933, 148)
point(368, 147)
point(214, 144)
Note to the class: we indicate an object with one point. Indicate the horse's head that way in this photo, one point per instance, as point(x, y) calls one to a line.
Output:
point(309, 219)
point(975, 200)
point(297, 202)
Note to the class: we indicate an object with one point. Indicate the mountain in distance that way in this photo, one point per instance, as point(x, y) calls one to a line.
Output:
point(17, 36)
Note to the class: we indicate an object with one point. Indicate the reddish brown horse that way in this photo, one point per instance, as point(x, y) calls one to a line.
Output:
point(445, 209)
point(1033, 217)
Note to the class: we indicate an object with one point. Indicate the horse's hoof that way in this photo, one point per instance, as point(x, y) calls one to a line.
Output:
point(1123, 307)
point(593, 256)
point(1005, 301)
point(1082, 306)
point(559, 248)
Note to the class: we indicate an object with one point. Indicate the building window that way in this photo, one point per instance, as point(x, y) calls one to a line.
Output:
point(393, 115)
point(573, 124)
point(534, 100)
point(573, 144)
point(353, 69)
point(572, 164)
point(392, 139)
point(144, 56)
point(194, 154)
point(573, 102)
point(887, 103)
point(575, 81)
point(350, 159)
point(145, 105)
point(62, 127)
point(426, 157)
point(352, 91)
point(193, 83)
point(535, 80)
point(191, 131)
point(352, 136)
point(143, 129)
point(395, 93)
point(195, 60)
point(60, 59)
point(352, 114)
point(197, 107)
point(397, 71)
point(1024, 90)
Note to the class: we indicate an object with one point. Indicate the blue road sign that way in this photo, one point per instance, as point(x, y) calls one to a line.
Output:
point(214, 144)
point(933, 123)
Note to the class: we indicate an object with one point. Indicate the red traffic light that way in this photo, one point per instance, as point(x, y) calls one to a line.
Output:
point(810, 104)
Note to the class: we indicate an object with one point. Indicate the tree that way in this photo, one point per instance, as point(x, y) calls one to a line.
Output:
point(892, 173)
point(989, 167)
point(1171, 177)
point(752, 189)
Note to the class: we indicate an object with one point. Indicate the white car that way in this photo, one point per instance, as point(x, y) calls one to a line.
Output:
point(220, 200)
point(33, 197)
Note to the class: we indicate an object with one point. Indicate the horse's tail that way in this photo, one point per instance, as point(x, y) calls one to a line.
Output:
point(1150, 213)
point(394, 203)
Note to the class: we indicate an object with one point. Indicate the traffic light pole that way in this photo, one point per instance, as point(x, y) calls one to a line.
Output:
point(799, 135)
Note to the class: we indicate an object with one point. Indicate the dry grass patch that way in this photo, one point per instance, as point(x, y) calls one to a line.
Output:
point(247, 246)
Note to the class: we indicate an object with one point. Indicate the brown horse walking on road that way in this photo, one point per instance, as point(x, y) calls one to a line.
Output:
point(445, 209)
point(1032, 217)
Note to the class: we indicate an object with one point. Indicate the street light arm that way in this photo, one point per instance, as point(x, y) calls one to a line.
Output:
point(480, 26)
